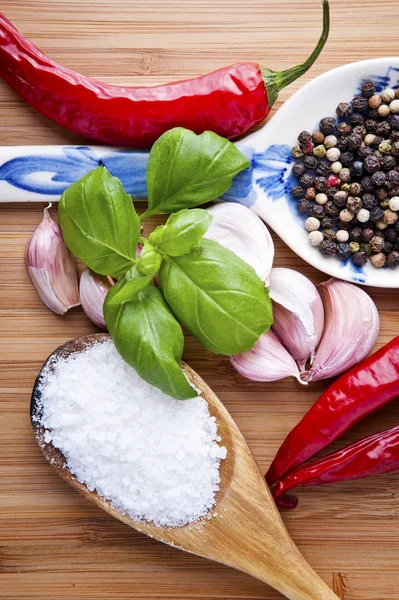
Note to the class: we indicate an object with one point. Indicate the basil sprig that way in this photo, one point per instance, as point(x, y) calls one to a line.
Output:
point(203, 286)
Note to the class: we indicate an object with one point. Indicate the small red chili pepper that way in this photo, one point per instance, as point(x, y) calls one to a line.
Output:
point(375, 454)
point(229, 101)
point(367, 386)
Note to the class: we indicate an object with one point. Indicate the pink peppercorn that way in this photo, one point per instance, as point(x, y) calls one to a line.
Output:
point(333, 180)
point(307, 147)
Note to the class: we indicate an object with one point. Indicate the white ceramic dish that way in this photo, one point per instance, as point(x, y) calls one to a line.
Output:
point(41, 173)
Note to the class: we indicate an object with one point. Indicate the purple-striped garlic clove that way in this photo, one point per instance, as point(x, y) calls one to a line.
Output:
point(93, 289)
point(298, 314)
point(267, 361)
point(352, 325)
point(238, 229)
point(51, 267)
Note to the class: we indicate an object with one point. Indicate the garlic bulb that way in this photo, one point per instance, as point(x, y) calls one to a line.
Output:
point(93, 289)
point(51, 267)
point(352, 325)
point(298, 313)
point(267, 361)
point(237, 228)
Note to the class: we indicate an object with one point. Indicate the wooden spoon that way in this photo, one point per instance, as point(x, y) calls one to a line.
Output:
point(247, 533)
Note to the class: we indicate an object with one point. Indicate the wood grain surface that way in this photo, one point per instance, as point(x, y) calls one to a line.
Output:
point(54, 544)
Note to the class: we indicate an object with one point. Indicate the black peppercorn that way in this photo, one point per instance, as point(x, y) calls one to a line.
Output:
point(354, 203)
point(330, 208)
point(304, 137)
point(367, 234)
point(355, 234)
point(368, 89)
point(359, 104)
point(340, 199)
point(381, 193)
point(357, 168)
point(356, 118)
point(297, 191)
point(376, 214)
point(317, 211)
point(372, 164)
point(324, 167)
point(310, 193)
point(328, 234)
point(330, 192)
point(327, 222)
point(298, 169)
point(373, 114)
point(384, 129)
point(343, 109)
point(396, 245)
point(328, 248)
point(360, 130)
point(354, 141)
point(388, 247)
point(393, 259)
point(303, 206)
point(367, 184)
point(396, 226)
point(371, 125)
point(377, 154)
point(395, 149)
point(394, 122)
point(342, 144)
point(393, 177)
point(388, 162)
point(320, 184)
point(391, 235)
point(306, 180)
point(343, 128)
point(377, 243)
point(328, 125)
point(359, 258)
point(343, 251)
point(379, 177)
point(343, 225)
point(369, 201)
point(364, 152)
point(310, 161)
point(394, 137)
point(377, 141)
point(346, 158)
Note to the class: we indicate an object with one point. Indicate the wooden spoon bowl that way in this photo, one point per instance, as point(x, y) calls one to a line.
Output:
point(247, 532)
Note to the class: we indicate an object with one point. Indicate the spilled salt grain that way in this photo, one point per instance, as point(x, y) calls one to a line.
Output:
point(153, 457)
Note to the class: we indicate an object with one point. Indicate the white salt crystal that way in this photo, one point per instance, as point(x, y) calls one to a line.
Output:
point(153, 457)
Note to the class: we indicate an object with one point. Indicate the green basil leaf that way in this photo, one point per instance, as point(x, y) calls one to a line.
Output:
point(182, 231)
point(186, 170)
point(99, 223)
point(149, 261)
point(217, 296)
point(129, 286)
point(148, 337)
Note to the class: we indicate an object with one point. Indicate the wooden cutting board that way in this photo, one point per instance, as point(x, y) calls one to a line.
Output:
point(53, 543)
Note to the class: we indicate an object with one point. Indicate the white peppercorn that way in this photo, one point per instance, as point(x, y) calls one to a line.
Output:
point(336, 167)
point(333, 154)
point(346, 215)
point(390, 217)
point(384, 111)
point(387, 95)
point(394, 202)
point(369, 139)
point(363, 215)
point(315, 238)
point(375, 101)
point(344, 175)
point(321, 199)
point(330, 141)
point(342, 236)
point(394, 107)
point(381, 225)
point(312, 224)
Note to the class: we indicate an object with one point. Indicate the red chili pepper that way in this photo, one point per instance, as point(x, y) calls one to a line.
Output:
point(229, 101)
point(375, 454)
point(357, 393)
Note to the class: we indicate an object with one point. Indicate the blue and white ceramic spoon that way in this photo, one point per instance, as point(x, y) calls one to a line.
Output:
point(41, 173)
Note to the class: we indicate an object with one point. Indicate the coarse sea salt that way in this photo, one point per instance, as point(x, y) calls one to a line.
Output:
point(153, 457)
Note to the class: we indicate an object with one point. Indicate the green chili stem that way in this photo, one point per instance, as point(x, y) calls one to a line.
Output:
point(277, 80)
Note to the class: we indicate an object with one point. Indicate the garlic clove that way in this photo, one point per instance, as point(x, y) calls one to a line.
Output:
point(93, 289)
point(267, 361)
point(237, 228)
point(352, 325)
point(298, 313)
point(51, 267)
